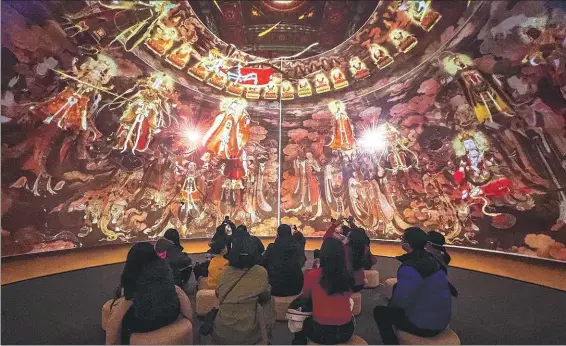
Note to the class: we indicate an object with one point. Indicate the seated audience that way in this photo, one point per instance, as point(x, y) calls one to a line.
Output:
point(224, 232)
point(330, 289)
point(217, 263)
point(421, 303)
point(175, 257)
point(300, 239)
point(356, 248)
point(242, 285)
point(435, 246)
point(284, 261)
point(242, 231)
point(356, 254)
point(148, 300)
point(316, 262)
point(221, 236)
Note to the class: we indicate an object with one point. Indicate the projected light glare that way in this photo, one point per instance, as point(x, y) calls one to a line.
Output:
point(192, 135)
point(374, 140)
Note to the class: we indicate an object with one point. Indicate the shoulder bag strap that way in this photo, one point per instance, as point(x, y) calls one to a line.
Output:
point(234, 285)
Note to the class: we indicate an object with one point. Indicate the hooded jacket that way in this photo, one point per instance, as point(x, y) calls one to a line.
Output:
point(422, 291)
point(284, 261)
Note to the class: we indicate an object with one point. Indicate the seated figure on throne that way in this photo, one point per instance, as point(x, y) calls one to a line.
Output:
point(421, 13)
point(403, 40)
point(380, 56)
point(162, 39)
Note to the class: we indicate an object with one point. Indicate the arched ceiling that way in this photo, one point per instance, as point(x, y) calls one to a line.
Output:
point(355, 55)
point(298, 23)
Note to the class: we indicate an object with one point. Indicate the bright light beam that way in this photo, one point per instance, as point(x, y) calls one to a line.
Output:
point(263, 33)
point(374, 140)
point(192, 135)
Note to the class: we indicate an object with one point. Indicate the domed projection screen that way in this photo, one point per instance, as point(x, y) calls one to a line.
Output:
point(121, 119)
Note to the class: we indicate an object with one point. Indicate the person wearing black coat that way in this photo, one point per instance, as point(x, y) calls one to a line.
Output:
point(284, 261)
point(242, 231)
point(148, 281)
point(176, 258)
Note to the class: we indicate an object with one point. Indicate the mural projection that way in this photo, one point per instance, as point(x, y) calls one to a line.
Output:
point(122, 119)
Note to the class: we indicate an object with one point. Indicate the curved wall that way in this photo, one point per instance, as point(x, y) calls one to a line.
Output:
point(463, 133)
point(544, 273)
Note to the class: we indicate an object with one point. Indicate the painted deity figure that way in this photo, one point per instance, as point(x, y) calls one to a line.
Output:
point(358, 68)
point(191, 193)
point(305, 88)
point(398, 157)
point(145, 114)
point(321, 83)
point(421, 13)
point(338, 78)
point(287, 90)
point(403, 40)
point(226, 140)
point(72, 108)
point(271, 91)
point(342, 135)
point(483, 95)
point(470, 147)
point(162, 39)
point(380, 56)
point(180, 56)
point(307, 191)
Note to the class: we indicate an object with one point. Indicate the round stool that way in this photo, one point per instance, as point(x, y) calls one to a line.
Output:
point(357, 298)
point(205, 301)
point(106, 309)
point(203, 283)
point(354, 340)
point(389, 283)
point(371, 278)
point(281, 306)
point(179, 332)
point(447, 337)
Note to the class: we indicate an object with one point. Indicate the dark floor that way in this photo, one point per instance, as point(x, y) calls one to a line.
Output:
point(66, 309)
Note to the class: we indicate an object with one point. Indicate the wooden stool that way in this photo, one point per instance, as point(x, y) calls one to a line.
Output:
point(371, 278)
point(205, 300)
point(179, 332)
point(281, 306)
point(357, 298)
point(203, 283)
point(389, 283)
point(106, 309)
point(354, 340)
point(447, 337)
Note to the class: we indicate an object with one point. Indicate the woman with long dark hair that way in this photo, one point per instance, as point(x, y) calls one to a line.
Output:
point(284, 260)
point(356, 253)
point(150, 298)
point(330, 289)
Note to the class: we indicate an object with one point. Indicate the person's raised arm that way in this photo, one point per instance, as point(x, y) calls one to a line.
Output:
point(408, 282)
point(330, 231)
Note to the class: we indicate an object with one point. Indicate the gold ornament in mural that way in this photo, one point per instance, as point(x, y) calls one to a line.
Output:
point(380, 56)
point(321, 83)
point(358, 68)
point(304, 87)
